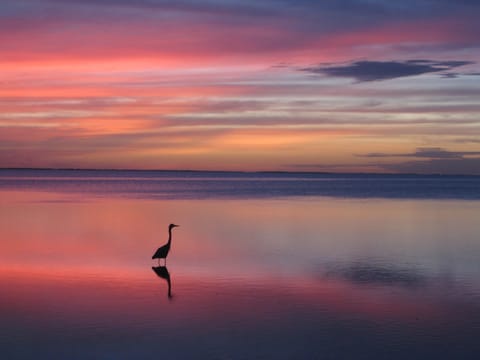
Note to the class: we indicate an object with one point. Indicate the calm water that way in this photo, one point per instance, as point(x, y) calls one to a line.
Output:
point(263, 266)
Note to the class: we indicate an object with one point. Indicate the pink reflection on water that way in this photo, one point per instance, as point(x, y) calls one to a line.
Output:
point(75, 229)
point(87, 259)
point(123, 297)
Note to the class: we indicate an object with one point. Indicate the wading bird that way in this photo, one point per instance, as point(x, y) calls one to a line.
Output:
point(162, 252)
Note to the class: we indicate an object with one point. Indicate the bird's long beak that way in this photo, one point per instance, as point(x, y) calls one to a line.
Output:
point(176, 225)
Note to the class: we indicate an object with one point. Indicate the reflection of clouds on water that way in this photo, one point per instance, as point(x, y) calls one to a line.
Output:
point(377, 274)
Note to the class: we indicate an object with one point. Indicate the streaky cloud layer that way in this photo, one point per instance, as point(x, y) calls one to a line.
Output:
point(241, 85)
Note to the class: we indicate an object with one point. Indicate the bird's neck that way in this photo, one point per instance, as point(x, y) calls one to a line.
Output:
point(169, 236)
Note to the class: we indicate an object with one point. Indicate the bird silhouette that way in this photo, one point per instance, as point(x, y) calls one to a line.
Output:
point(162, 272)
point(162, 252)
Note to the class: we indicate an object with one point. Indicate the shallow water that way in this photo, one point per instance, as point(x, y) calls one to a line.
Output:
point(265, 277)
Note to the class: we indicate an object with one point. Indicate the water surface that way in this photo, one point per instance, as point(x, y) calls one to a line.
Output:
point(257, 270)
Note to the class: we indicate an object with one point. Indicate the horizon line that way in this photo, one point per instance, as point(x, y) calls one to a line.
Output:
point(233, 171)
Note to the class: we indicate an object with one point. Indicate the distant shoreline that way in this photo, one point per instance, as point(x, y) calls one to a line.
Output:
point(233, 172)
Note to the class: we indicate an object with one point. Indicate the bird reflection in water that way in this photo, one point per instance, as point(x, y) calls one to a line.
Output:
point(163, 273)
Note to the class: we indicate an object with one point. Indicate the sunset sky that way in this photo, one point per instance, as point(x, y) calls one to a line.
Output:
point(295, 85)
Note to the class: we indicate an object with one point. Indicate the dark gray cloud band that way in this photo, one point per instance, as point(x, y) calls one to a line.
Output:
point(462, 166)
point(433, 160)
point(384, 70)
point(427, 152)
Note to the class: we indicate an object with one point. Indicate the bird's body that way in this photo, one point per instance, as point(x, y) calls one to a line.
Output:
point(162, 252)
